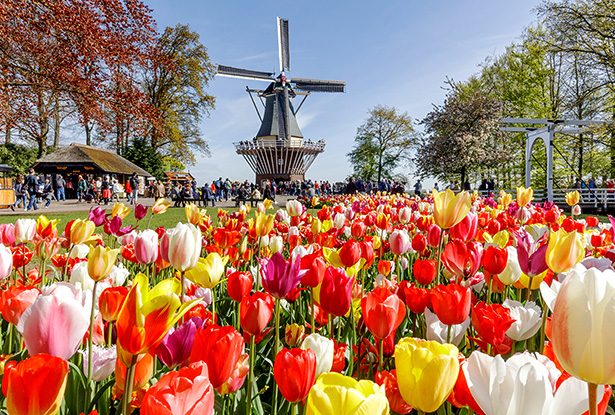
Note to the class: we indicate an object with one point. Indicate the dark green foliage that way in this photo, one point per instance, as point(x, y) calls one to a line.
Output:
point(143, 155)
point(17, 156)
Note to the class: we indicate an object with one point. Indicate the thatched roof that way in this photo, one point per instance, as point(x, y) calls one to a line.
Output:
point(77, 155)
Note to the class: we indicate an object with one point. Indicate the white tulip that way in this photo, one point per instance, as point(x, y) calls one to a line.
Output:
point(437, 331)
point(323, 348)
point(528, 319)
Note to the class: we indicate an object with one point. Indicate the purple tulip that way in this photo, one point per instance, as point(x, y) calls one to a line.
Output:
point(97, 215)
point(140, 211)
point(115, 227)
point(177, 344)
point(531, 255)
point(279, 275)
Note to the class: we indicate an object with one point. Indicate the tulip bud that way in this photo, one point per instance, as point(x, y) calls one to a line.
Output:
point(294, 334)
point(100, 262)
point(576, 210)
point(25, 229)
point(405, 214)
point(433, 235)
point(146, 246)
point(276, 244)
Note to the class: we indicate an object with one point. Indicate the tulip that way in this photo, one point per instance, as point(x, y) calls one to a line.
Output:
point(46, 227)
point(399, 241)
point(439, 332)
point(294, 208)
point(238, 376)
point(293, 334)
point(46, 248)
point(177, 344)
point(280, 276)
point(35, 386)
point(239, 285)
point(208, 271)
point(323, 349)
point(350, 253)
point(450, 209)
point(424, 271)
point(426, 372)
point(143, 371)
point(405, 214)
point(25, 229)
point(56, 321)
point(100, 262)
point(434, 233)
point(451, 303)
point(527, 318)
point(160, 206)
point(7, 234)
point(495, 260)
point(15, 300)
point(184, 247)
point(523, 384)
point(583, 325)
point(564, 250)
point(220, 348)
point(263, 224)
point(255, 312)
point(572, 198)
point(110, 302)
point(98, 215)
point(146, 246)
point(465, 230)
point(187, 391)
point(415, 298)
point(385, 267)
point(6, 262)
point(357, 229)
point(391, 388)
point(336, 291)
point(120, 210)
point(419, 242)
point(103, 362)
point(80, 231)
point(576, 210)
point(491, 321)
point(524, 196)
point(531, 255)
point(294, 372)
point(337, 394)
point(147, 315)
point(314, 266)
point(383, 312)
point(463, 260)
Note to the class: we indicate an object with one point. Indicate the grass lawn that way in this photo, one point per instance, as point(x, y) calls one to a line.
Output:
point(168, 219)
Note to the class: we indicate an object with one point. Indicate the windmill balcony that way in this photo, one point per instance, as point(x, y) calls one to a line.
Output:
point(268, 143)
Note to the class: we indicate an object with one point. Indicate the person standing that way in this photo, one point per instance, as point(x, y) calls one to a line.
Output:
point(60, 186)
point(98, 190)
point(417, 188)
point(47, 193)
point(82, 186)
point(20, 192)
point(105, 188)
point(134, 184)
point(31, 185)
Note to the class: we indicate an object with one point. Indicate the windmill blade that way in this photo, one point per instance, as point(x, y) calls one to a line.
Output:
point(244, 73)
point(318, 85)
point(283, 45)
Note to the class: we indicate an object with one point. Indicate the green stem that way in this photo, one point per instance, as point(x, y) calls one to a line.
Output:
point(331, 326)
point(70, 249)
point(592, 390)
point(448, 333)
point(545, 311)
point(489, 290)
point(10, 341)
point(213, 301)
point(354, 341)
point(130, 377)
point(250, 376)
point(182, 287)
point(151, 215)
point(23, 269)
point(110, 333)
point(276, 348)
point(312, 314)
point(380, 354)
point(42, 267)
point(88, 388)
point(439, 256)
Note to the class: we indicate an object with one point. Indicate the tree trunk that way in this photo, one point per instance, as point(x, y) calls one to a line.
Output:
point(56, 114)
point(7, 134)
point(43, 126)
point(88, 133)
point(463, 177)
point(580, 164)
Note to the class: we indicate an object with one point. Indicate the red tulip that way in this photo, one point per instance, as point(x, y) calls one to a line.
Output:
point(357, 229)
point(339, 357)
point(391, 388)
point(19, 259)
point(350, 253)
point(144, 370)
point(494, 259)
point(239, 285)
point(415, 298)
point(465, 230)
point(384, 267)
point(187, 391)
point(424, 271)
point(451, 303)
point(255, 312)
point(315, 266)
point(367, 253)
point(462, 259)
point(15, 300)
point(434, 232)
point(110, 302)
point(336, 291)
point(220, 348)
point(491, 322)
point(383, 312)
point(35, 385)
point(295, 372)
point(419, 242)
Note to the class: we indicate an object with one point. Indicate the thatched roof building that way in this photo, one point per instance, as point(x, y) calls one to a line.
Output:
point(82, 159)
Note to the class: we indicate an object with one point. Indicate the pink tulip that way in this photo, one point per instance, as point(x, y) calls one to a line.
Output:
point(57, 321)
point(462, 259)
point(405, 214)
point(7, 234)
point(400, 242)
point(146, 246)
point(294, 208)
point(466, 229)
point(97, 215)
point(433, 235)
point(184, 246)
point(25, 229)
point(6, 262)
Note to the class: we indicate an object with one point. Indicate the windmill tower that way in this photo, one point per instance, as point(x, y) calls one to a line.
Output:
point(279, 150)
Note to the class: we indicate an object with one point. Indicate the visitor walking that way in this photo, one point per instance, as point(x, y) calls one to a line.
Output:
point(60, 188)
point(47, 193)
point(20, 192)
point(31, 185)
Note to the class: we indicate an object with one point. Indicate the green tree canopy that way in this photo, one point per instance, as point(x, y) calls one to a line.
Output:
point(146, 157)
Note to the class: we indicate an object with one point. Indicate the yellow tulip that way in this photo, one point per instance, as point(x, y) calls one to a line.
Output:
point(208, 271)
point(334, 393)
point(536, 280)
point(100, 262)
point(121, 210)
point(193, 214)
point(45, 227)
point(81, 230)
point(426, 372)
point(504, 199)
point(450, 209)
point(316, 226)
point(524, 196)
point(564, 250)
point(267, 203)
point(263, 224)
point(160, 206)
point(572, 198)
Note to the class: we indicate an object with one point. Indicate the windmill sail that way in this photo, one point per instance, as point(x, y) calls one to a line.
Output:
point(283, 45)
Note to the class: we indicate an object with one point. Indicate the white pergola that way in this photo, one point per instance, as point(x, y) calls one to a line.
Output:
point(544, 129)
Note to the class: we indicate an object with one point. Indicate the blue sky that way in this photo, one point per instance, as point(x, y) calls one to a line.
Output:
point(396, 53)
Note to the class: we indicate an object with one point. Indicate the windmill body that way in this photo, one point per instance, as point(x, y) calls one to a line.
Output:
point(279, 151)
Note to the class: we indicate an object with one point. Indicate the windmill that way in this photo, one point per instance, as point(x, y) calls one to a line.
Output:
point(279, 151)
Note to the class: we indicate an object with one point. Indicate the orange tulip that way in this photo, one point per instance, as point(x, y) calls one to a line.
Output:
point(110, 302)
point(35, 386)
point(15, 300)
point(450, 209)
point(143, 373)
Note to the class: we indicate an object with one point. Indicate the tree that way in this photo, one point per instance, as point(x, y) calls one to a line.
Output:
point(176, 90)
point(382, 143)
point(144, 156)
point(462, 136)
